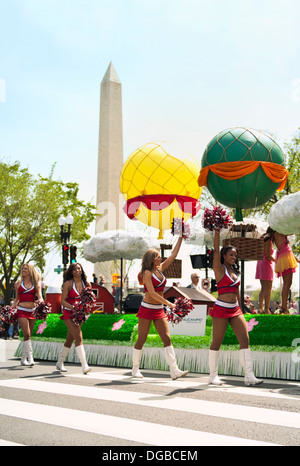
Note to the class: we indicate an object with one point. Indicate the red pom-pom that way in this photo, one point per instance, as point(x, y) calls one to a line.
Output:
point(42, 310)
point(87, 296)
point(183, 306)
point(82, 309)
point(79, 314)
point(8, 315)
point(180, 228)
point(216, 219)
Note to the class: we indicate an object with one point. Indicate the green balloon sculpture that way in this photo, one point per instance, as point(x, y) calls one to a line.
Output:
point(242, 168)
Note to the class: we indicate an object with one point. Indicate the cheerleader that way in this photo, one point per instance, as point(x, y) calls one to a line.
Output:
point(285, 266)
point(227, 309)
point(265, 273)
point(74, 282)
point(154, 281)
point(26, 290)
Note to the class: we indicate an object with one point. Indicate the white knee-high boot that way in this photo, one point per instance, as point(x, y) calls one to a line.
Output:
point(81, 356)
point(24, 356)
point(30, 354)
point(171, 360)
point(27, 356)
point(246, 360)
point(136, 357)
point(60, 363)
point(213, 358)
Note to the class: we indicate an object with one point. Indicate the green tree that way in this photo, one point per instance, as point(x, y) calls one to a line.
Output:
point(29, 211)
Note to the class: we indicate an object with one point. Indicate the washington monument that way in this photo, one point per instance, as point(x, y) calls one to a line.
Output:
point(110, 161)
point(110, 152)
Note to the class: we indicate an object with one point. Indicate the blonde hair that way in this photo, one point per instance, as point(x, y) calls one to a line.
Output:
point(34, 275)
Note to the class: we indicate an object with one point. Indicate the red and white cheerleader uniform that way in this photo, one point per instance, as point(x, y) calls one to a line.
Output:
point(221, 308)
point(26, 295)
point(73, 298)
point(225, 310)
point(153, 311)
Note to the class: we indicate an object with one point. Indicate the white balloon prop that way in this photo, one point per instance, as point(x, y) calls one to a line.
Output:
point(284, 216)
point(117, 244)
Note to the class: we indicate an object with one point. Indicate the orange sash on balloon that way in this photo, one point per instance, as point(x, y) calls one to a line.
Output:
point(234, 170)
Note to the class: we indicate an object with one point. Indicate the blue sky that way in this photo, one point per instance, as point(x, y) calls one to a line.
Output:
point(189, 69)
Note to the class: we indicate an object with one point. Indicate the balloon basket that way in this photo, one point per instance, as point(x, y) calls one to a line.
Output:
point(248, 248)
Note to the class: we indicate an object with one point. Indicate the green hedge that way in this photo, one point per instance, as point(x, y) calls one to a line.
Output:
point(97, 327)
point(273, 330)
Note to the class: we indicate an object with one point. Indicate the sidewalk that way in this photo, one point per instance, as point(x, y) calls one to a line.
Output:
point(7, 351)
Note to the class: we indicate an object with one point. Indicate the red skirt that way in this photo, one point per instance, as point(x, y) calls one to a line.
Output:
point(21, 314)
point(151, 311)
point(67, 314)
point(225, 310)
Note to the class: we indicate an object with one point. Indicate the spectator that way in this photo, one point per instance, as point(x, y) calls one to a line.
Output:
point(195, 281)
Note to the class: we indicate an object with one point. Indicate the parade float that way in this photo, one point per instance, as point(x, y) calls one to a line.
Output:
point(155, 194)
point(108, 341)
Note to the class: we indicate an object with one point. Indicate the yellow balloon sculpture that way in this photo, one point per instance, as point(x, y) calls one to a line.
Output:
point(160, 186)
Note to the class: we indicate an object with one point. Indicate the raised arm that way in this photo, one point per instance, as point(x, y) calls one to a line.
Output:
point(217, 266)
point(173, 255)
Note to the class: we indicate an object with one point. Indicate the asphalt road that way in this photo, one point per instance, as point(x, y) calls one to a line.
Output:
point(108, 408)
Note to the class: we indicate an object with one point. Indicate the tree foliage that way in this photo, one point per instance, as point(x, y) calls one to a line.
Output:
point(29, 211)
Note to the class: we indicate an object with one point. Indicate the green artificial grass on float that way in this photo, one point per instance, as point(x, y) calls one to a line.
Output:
point(270, 332)
point(97, 327)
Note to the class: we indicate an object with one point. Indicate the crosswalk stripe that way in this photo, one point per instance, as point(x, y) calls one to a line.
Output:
point(116, 427)
point(188, 383)
point(7, 443)
point(192, 405)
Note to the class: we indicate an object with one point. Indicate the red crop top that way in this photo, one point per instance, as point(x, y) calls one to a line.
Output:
point(26, 295)
point(158, 284)
point(227, 284)
point(74, 295)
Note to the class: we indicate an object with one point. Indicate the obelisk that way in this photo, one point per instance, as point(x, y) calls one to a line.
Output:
point(110, 157)
point(110, 152)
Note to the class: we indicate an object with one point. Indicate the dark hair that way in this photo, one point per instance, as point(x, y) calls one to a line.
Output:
point(224, 251)
point(269, 235)
point(68, 275)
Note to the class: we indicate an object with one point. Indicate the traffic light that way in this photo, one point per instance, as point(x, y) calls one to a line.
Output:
point(209, 258)
point(73, 250)
point(65, 254)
